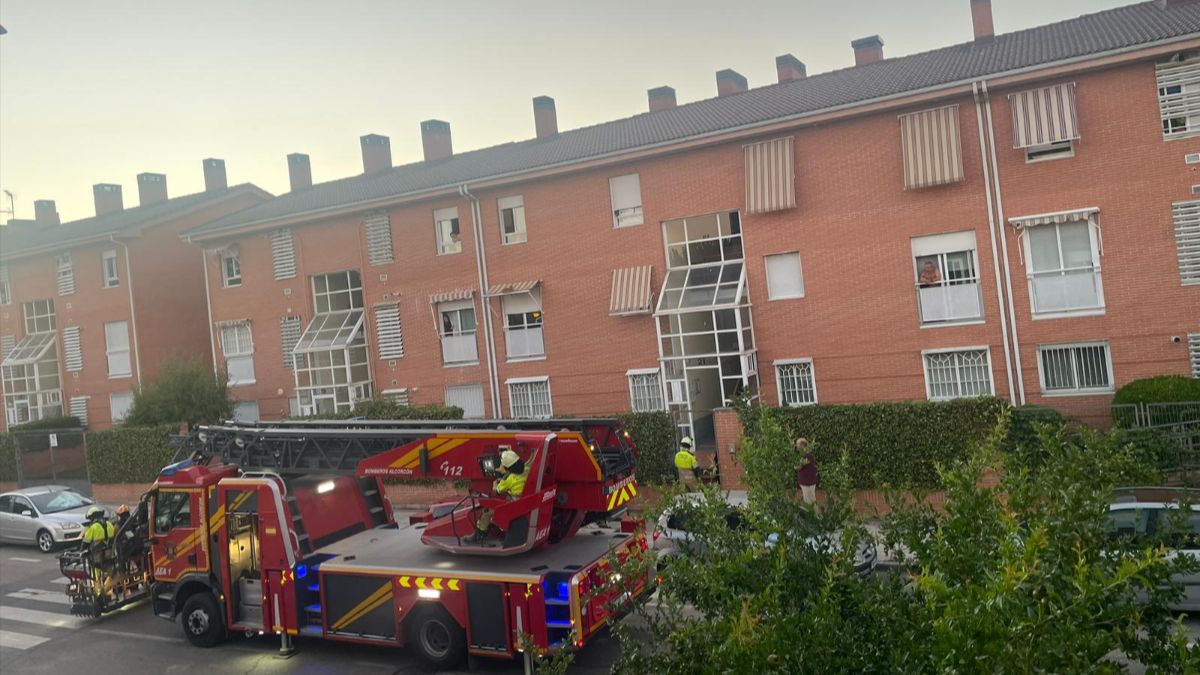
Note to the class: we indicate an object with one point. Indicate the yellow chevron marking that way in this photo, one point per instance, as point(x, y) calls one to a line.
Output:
point(454, 585)
point(362, 607)
point(442, 448)
point(633, 489)
point(407, 457)
point(437, 584)
point(612, 500)
point(405, 583)
point(421, 582)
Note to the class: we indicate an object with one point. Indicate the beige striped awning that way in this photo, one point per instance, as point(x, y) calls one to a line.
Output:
point(451, 296)
point(1044, 116)
point(771, 175)
point(932, 147)
point(1057, 217)
point(513, 288)
point(631, 291)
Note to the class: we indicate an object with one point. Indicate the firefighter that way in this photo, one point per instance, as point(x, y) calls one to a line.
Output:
point(685, 463)
point(99, 529)
point(122, 516)
point(510, 485)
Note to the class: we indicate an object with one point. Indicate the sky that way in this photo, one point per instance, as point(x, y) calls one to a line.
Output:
point(98, 91)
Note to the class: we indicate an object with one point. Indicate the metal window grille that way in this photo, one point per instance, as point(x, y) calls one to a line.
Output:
point(283, 253)
point(1194, 352)
point(5, 286)
point(7, 343)
point(72, 350)
point(1187, 241)
point(389, 338)
point(289, 335)
point(958, 374)
point(66, 274)
point(530, 400)
point(1071, 368)
point(645, 392)
point(397, 396)
point(79, 409)
point(1179, 97)
point(379, 239)
point(796, 383)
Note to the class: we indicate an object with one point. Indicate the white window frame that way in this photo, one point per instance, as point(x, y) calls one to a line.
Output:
point(118, 352)
point(626, 214)
point(237, 346)
point(39, 316)
point(1096, 251)
point(1050, 151)
point(112, 408)
point(109, 269)
point(812, 372)
point(231, 269)
point(5, 286)
point(512, 405)
point(447, 219)
point(516, 204)
point(246, 404)
point(771, 291)
point(531, 323)
point(456, 307)
point(1185, 76)
point(632, 375)
point(941, 246)
point(459, 387)
point(1077, 391)
point(987, 352)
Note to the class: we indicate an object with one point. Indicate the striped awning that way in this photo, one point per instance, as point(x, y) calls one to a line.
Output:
point(1044, 116)
point(451, 296)
point(771, 175)
point(631, 291)
point(932, 147)
point(230, 322)
point(1056, 217)
point(513, 288)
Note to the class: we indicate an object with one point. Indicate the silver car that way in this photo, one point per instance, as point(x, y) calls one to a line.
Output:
point(1144, 512)
point(46, 516)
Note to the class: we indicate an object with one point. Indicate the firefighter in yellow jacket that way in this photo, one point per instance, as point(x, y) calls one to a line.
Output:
point(685, 463)
point(511, 484)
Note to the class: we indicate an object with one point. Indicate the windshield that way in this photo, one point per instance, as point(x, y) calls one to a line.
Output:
point(53, 502)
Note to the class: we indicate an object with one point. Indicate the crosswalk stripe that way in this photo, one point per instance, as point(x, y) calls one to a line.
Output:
point(61, 580)
point(57, 597)
point(35, 616)
point(28, 560)
point(19, 640)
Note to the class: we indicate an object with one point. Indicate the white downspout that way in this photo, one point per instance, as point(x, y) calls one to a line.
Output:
point(1012, 312)
point(481, 267)
point(987, 188)
point(137, 359)
point(212, 338)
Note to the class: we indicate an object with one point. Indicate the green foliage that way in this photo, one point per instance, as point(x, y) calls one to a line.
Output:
point(653, 434)
point(899, 443)
point(127, 454)
point(185, 391)
point(385, 409)
point(8, 459)
point(1161, 389)
point(49, 423)
point(1024, 442)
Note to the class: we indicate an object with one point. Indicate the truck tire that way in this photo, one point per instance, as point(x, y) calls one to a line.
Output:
point(202, 622)
point(436, 637)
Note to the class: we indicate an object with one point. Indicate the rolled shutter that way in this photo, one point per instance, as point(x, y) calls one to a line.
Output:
point(1044, 116)
point(770, 176)
point(932, 147)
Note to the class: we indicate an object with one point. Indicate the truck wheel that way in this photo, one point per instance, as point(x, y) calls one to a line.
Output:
point(437, 637)
point(202, 621)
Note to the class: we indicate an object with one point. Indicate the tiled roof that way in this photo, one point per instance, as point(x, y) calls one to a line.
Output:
point(28, 236)
point(1092, 34)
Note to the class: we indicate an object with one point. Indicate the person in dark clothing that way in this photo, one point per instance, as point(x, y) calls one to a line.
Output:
point(806, 472)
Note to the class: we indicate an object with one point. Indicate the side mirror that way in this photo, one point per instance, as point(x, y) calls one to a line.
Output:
point(27, 513)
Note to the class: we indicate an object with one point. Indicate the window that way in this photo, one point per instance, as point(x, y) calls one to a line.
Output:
point(66, 274)
point(795, 382)
point(39, 316)
point(957, 374)
point(338, 291)
point(449, 237)
point(1075, 368)
point(946, 273)
point(469, 397)
point(397, 396)
point(32, 389)
point(457, 326)
point(120, 403)
point(932, 147)
point(1056, 150)
point(645, 390)
point(172, 509)
point(626, 193)
point(523, 336)
point(238, 346)
point(79, 409)
point(116, 339)
point(1063, 263)
point(231, 269)
point(379, 239)
point(246, 411)
point(108, 266)
point(770, 175)
point(784, 276)
point(1179, 97)
point(701, 240)
point(1187, 241)
point(529, 398)
point(5, 286)
point(331, 362)
point(283, 254)
point(72, 349)
point(289, 336)
point(389, 339)
point(512, 219)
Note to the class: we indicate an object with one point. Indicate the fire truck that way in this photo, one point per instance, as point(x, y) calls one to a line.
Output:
point(285, 528)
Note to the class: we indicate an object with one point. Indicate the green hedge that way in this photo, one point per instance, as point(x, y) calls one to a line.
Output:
point(1161, 389)
point(130, 454)
point(654, 436)
point(383, 409)
point(50, 423)
point(898, 443)
point(8, 458)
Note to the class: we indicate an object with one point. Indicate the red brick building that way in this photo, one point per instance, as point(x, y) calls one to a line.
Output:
point(1014, 215)
point(89, 309)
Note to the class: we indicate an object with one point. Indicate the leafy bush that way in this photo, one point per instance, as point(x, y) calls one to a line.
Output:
point(8, 458)
point(1023, 444)
point(384, 409)
point(185, 391)
point(126, 454)
point(49, 423)
point(1161, 389)
point(653, 434)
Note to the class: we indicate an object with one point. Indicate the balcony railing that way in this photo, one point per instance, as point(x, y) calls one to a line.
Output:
point(949, 301)
point(459, 349)
point(524, 342)
point(1066, 290)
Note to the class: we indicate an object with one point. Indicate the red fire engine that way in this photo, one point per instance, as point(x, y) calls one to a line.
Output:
point(285, 528)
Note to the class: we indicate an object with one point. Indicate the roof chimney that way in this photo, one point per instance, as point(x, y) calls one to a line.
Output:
point(44, 213)
point(152, 188)
point(299, 171)
point(981, 19)
point(545, 117)
point(435, 140)
point(214, 175)
point(867, 50)
point(376, 152)
point(108, 198)
point(790, 68)
point(730, 82)
point(661, 98)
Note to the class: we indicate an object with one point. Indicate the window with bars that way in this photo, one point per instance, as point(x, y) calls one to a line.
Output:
point(289, 335)
point(1080, 368)
point(39, 316)
point(5, 286)
point(512, 219)
point(72, 349)
point(379, 239)
point(795, 382)
point(283, 254)
point(237, 345)
point(116, 340)
point(388, 337)
point(1187, 240)
point(626, 193)
point(957, 374)
point(1063, 262)
point(449, 236)
point(530, 398)
point(109, 268)
point(231, 269)
point(66, 274)
point(645, 390)
point(1179, 96)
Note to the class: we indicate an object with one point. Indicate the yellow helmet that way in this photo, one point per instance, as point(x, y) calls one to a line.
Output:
point(686, 442)
point(508, 458)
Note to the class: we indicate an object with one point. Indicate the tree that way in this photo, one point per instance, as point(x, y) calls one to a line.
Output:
point(185, 391)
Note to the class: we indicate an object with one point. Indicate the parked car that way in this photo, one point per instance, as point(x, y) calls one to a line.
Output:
point(45, 516)
point(673, 537)
point(1145, 512)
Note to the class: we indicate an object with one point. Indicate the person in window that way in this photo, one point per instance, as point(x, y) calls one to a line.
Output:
point(930, 275)
point(510, 484)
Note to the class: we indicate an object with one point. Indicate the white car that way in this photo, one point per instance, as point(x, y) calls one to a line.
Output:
point(1144, 512)
point(45, 516)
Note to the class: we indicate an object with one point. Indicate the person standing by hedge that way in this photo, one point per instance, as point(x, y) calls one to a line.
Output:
point(806, 472)
point(685, 463)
